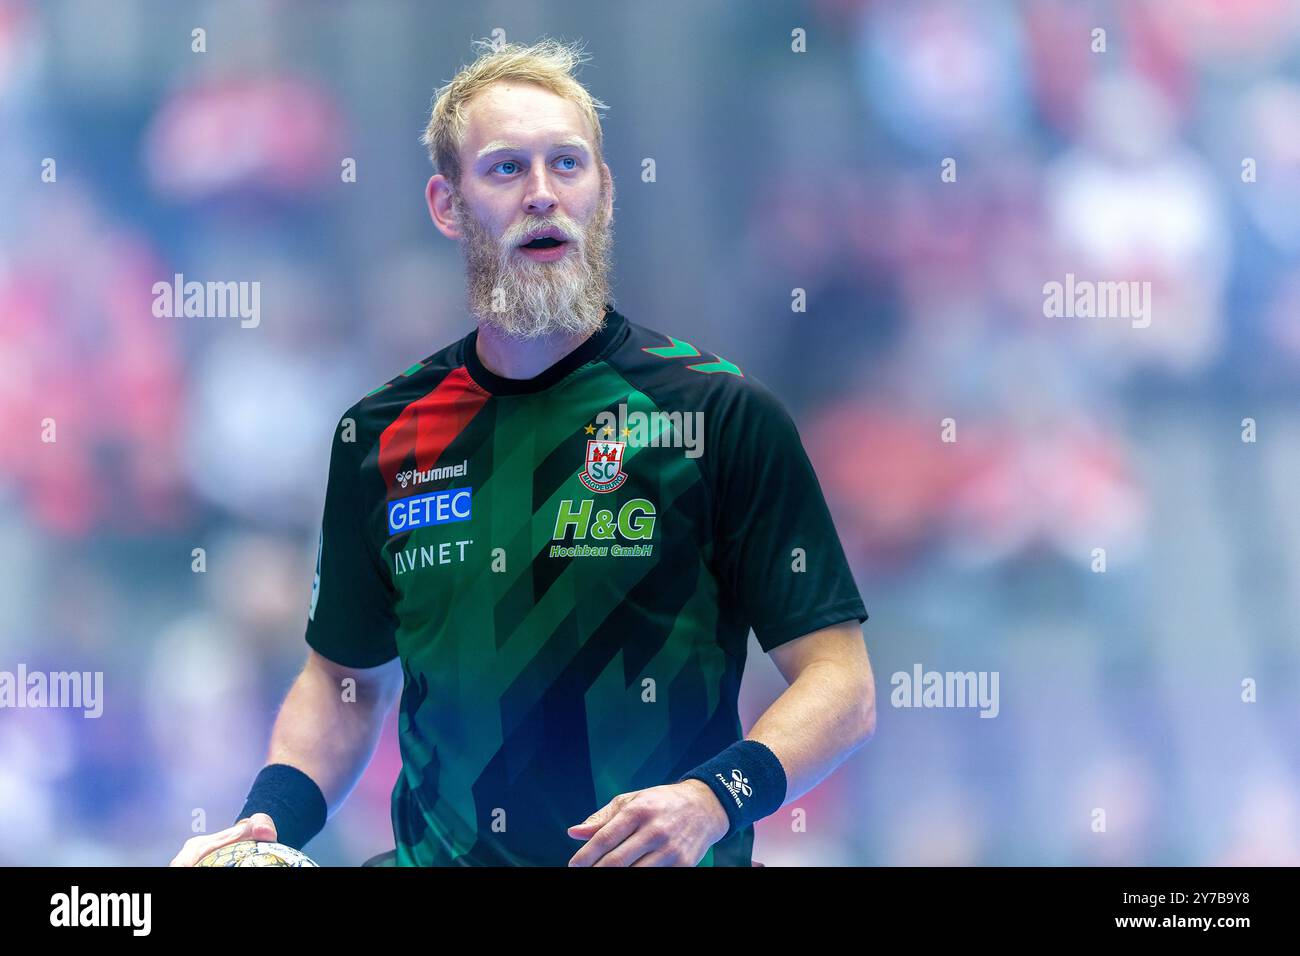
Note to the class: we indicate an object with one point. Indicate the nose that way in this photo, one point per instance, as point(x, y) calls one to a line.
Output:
point(540, 199)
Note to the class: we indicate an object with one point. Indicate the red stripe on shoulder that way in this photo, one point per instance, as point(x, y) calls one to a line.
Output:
point(429, 424)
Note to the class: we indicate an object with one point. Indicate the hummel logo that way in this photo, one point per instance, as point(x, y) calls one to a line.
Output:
point(740, 783)
point(737, 785)
point(415, 476)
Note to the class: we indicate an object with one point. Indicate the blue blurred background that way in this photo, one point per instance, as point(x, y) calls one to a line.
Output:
point(776, 170)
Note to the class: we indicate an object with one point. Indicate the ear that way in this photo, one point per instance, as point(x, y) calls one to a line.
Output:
point(609, 200)
point(437, 195)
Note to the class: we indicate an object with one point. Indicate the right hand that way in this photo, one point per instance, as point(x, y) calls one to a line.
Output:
point(257, 827)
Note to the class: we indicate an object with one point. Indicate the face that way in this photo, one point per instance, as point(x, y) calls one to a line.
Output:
point(533, 213)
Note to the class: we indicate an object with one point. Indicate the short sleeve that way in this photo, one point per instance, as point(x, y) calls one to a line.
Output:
point(779, 557)
point(350, 619)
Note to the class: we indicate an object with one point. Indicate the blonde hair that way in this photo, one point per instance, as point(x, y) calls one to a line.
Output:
point(548, 63)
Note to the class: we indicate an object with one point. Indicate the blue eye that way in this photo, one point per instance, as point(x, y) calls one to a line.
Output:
point(509, 167)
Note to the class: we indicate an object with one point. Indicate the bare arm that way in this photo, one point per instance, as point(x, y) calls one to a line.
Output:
point(827, 712)
point(327, 728)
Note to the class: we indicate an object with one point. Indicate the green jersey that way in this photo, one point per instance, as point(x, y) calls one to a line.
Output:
point(568, 568)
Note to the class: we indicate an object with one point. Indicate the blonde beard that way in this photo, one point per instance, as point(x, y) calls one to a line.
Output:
point(526, 299)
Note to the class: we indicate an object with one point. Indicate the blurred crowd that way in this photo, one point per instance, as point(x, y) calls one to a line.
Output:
point(1171, 154)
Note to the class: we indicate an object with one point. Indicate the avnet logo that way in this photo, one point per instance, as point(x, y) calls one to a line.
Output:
point(436, 507)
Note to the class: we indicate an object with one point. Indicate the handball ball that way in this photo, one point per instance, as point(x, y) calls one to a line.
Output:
point(256, 853)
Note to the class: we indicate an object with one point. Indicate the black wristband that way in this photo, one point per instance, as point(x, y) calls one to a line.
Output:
point(292, 800)
point(748, 781)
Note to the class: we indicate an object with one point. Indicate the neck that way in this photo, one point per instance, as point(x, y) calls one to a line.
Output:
point(511, 357)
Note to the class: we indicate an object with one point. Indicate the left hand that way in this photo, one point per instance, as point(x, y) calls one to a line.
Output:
point(671, 825)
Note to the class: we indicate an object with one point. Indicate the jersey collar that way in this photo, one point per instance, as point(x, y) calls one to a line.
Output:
point(592, 348)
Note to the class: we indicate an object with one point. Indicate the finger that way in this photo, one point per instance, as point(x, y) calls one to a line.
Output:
point(239, 832)
point(598, 819)
point(262, 827)
point(587, 827)
point(607, 837)
point(660, 857)
point(645, 840)
point(196, 849)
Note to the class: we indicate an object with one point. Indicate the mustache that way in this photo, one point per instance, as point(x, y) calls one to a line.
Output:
point(518, 235)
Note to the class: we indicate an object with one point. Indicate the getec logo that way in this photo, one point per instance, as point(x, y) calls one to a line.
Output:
point(436, 507)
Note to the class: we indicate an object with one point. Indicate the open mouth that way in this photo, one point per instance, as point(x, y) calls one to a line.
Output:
point(550, 246)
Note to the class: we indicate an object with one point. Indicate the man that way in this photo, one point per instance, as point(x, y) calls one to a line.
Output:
point(529, 535)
